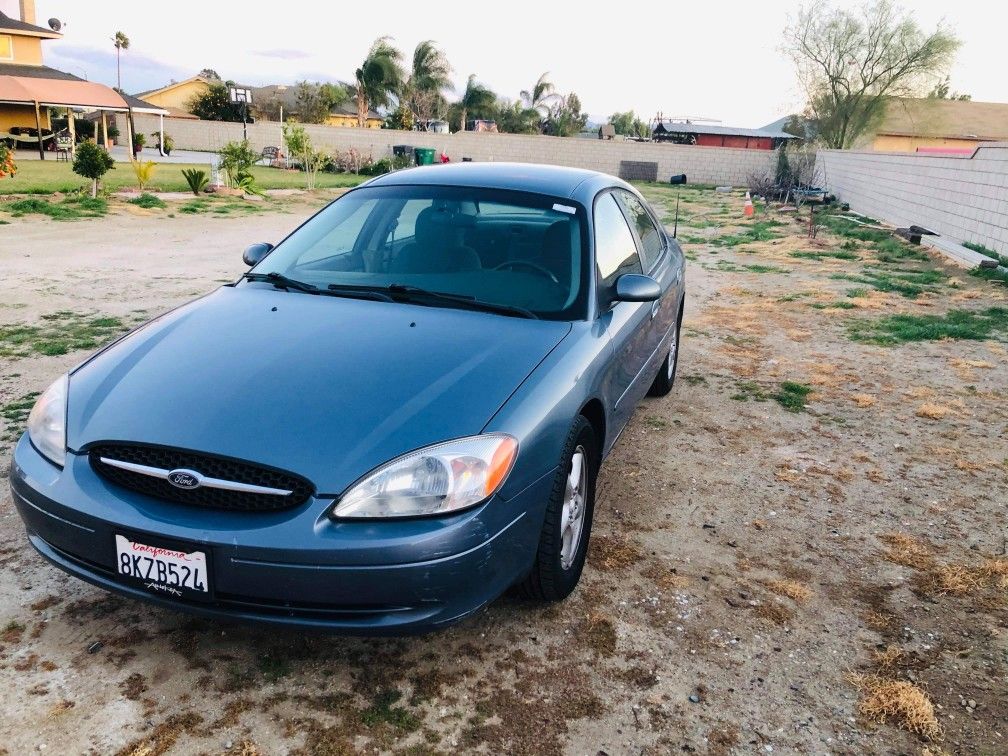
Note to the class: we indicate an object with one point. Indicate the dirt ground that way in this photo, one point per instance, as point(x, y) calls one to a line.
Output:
point(801, 550)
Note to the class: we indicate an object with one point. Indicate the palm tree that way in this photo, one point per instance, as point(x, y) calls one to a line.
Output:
point(429, 79)
point(379, 80)
point(121, 42)
point(541, 96)
point(476, 98)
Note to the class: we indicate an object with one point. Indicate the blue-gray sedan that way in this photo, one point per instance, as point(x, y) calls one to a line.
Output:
point(397, 414)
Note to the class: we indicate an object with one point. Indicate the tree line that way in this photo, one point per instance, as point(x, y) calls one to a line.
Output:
point(412, 93)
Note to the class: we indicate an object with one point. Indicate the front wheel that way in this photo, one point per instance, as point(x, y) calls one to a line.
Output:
point(563, 544)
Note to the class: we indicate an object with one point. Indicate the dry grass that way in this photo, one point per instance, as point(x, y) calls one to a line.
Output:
point(792, 589)
point(952, 579)
point(898, 702)
point(613, 553)
point(788, 474)
point(663, 577)
point(907, 551)
point(932, 411)
point(864, 400)
point(599, 635)
point(964, 368)
point(886, 660)
point(774, 611)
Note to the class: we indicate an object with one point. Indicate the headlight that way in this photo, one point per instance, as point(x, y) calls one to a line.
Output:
point(47, 422)
point(435, 480)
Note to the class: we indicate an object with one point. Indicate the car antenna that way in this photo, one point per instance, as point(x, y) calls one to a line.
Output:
point(675, 228)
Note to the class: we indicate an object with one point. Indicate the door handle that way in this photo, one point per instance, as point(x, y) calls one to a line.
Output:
point(655, 307)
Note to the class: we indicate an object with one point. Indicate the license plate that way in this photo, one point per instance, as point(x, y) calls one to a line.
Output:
point(172, 572)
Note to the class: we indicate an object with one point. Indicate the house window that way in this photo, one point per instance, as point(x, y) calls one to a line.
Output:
point(6, 47)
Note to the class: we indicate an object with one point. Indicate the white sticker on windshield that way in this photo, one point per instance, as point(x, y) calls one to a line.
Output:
point(565, 208)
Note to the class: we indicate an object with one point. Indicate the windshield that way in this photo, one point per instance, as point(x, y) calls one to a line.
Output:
point(505, 248)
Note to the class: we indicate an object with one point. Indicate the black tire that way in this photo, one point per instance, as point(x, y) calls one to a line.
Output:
point(665, 379)
point(549, 580)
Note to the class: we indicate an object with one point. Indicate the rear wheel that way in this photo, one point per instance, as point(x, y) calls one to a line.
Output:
point(563, 544)
point(665, 379)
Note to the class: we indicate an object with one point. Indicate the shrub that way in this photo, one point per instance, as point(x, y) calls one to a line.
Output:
point(147, 200)
point(144, 171)
point(246, 182)
point(93, 162)
point(196, 179)
point(7, 165)
point(299, 146)
point(236, 159)
point(377, 168)
point(167, 145)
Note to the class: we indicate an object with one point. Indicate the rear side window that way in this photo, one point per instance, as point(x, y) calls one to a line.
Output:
point(652, 243)
point(615, 250)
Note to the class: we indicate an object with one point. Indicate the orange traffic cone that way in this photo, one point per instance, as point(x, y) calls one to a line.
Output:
point(749, 211)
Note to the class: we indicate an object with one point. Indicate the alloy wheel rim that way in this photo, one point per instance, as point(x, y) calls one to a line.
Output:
point(573, 512)
point(672, 354)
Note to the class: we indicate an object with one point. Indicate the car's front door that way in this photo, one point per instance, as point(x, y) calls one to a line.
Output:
point(655, 260)
point(626, 323)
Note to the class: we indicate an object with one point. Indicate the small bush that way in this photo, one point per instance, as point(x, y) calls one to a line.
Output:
point(144, 170)
point(92, 161)
point(7, 165)
point(196, 179)
point(377, 168)
point(147, 200)
point(791, 396)
point(237, 159)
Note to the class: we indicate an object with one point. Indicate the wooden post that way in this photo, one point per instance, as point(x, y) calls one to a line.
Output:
point(96, 131)
point(73, 132)
point(104, 128)
point(38, 126)
point(129, 136)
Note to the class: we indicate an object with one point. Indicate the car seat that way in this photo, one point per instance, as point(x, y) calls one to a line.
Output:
point(436, 247)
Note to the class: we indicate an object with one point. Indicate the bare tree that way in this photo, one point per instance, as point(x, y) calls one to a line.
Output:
point(850, 63)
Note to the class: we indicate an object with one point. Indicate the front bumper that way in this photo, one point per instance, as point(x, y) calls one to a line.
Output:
point(295, 567)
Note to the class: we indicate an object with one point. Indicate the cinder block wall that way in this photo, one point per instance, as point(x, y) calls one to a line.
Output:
point(962, 197)
point(702, 165)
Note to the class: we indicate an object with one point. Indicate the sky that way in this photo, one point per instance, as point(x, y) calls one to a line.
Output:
point(716, 60)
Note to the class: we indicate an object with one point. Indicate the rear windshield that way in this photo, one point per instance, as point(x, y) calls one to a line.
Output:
point(510, 248)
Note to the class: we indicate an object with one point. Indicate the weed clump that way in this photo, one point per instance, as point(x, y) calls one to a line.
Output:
point(791, 396)
point(899, 702)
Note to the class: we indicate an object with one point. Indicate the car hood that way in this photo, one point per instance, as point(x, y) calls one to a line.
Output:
point(327, 388)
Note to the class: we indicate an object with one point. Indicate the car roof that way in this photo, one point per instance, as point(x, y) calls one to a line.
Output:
point(552, 180)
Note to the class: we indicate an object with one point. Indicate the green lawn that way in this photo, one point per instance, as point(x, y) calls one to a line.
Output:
point(48, 176)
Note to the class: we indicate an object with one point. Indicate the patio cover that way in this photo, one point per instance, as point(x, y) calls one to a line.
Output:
point(60, 92)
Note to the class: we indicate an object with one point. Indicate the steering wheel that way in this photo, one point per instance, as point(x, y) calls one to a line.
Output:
point(534, 267)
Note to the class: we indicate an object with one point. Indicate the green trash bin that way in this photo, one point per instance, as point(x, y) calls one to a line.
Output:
point(425, 155)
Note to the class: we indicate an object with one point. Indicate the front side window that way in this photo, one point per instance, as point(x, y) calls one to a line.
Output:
point(615, 249)
point(652, 244)
point(6, 47)
point(505, 248)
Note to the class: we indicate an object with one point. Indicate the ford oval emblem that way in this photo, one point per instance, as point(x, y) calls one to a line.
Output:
point(187, 479)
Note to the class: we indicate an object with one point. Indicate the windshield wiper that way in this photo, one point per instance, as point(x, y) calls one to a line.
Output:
point(413, 293)
point(333, 290)
point(281, 281)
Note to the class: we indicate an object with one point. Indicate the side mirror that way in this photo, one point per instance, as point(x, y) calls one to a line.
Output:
point(254, 254)
point(633, 287)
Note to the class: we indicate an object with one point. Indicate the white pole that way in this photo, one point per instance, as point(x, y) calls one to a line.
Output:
point(161, 140)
